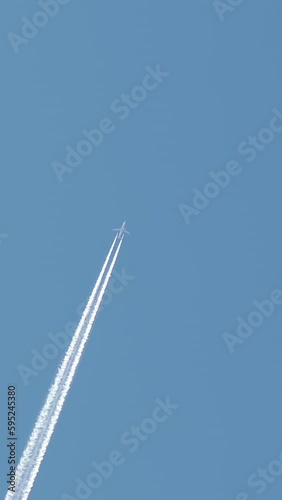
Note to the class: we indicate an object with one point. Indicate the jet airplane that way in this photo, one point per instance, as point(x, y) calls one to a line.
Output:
point(121, 230)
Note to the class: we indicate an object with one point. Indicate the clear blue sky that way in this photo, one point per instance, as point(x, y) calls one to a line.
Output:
point(162, 335)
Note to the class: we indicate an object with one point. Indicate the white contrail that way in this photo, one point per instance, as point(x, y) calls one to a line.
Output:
point(27, 459)
point(66, 382)
point(40, 437)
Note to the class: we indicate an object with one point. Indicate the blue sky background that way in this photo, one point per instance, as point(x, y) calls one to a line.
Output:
point(162, 335)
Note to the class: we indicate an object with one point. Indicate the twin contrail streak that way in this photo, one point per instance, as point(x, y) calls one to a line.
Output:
point(36, 447)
